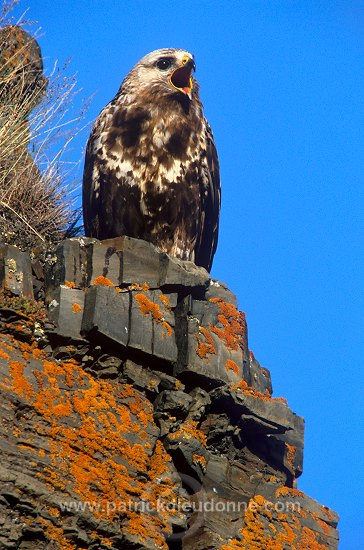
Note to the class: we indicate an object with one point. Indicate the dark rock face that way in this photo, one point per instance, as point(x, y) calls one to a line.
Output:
point(15, 271)
point(20, 56)
point(134, 415)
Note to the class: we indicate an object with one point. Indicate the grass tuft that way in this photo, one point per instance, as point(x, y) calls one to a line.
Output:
point(38, 194)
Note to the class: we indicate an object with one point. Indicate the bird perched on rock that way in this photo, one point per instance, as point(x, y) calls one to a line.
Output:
point(151, 168)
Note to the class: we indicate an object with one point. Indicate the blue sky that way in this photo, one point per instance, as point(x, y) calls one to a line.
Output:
point(283, 88)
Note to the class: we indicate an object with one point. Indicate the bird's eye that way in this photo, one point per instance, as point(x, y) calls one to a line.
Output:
point(163, 64)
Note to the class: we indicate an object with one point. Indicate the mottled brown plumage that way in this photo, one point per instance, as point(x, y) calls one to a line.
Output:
point(151, 168)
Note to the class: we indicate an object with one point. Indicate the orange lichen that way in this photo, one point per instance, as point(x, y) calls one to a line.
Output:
point(308, 541)
point(16, 431)
point(27, 447)
point(152, 383)
point(250, 390)
point(273, 479)
point(163, 298)
point(70, 284)
point(288, 491)
point(282, 530)
point(53, 511)
point(137, 286)
point(26, 349)
point(205, 343)
point(92, 456)
point(76, 308)
point(106, 541)
point(324, 526)
point(232, 325)
point(102, 281)
point(199, 459)
point(141, 526)
point(158, 462)
point(4, 355)
point(291, 454)
point(271, 526)
point(327, 512)
point(38, 354)
point(231, 365)
point(6, 345)
point(147, 307)
point(136, 405)
point(24, 388)
point(189, 430)
point(253, 533)
point(57, 535)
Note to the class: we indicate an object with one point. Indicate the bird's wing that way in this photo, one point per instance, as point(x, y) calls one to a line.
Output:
point(92, 180)
point(210, 204)
point(111, 183)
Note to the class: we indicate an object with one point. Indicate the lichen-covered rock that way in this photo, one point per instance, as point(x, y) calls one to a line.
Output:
point(107, 313)
point(260, 377)
point(143, 317)
point(123, 261)
point(16, 271)
point(286, 521)
point(134, 415)
point(72, 444)
point(152, 324)
point(66, 311)
point(218, 289)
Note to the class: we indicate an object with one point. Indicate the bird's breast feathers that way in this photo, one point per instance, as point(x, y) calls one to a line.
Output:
point(164, 148)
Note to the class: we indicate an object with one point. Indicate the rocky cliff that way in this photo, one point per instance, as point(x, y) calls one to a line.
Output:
point(134, 415)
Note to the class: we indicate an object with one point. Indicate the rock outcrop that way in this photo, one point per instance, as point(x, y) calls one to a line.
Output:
point(35, 201)
point(134, 415)
point(22, 87)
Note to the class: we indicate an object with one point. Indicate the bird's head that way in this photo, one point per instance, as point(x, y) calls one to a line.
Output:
point(166, 71)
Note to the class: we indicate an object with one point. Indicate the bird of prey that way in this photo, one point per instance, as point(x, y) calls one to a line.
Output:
point(151, 168)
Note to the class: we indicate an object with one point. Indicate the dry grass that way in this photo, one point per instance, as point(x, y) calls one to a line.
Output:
point(37, 200)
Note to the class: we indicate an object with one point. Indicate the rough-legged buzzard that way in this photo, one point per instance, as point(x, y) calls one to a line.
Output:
point(151, 168)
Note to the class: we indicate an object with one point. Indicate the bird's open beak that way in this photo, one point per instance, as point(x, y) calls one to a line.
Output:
point(181, 78)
